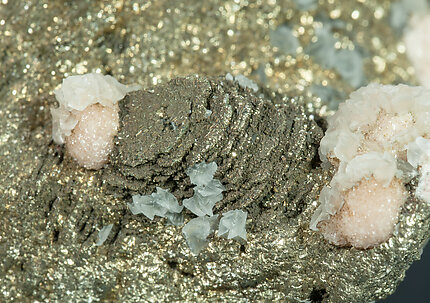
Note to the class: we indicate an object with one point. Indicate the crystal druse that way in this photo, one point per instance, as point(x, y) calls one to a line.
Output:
point(377, 142)
point(87, 117)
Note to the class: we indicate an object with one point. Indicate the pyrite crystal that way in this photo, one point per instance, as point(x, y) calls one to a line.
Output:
point(265, 144)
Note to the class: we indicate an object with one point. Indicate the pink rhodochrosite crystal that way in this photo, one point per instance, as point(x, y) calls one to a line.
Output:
point(368, 215)
point(87, 118)
point(91, 140)
point(377, 141)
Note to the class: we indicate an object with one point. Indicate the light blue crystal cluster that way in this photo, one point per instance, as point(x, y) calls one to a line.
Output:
point(207, 192)
point(161, 203)
point(232, 225)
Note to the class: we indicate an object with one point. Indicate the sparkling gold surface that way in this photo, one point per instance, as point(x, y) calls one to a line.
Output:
point(149, 42)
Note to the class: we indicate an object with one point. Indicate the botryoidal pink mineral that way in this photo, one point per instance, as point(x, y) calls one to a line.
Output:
point(377, 141)
point(86, 120)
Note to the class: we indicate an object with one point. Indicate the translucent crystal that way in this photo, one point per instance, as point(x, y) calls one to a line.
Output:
point(176, 219)
point(166, 200)
point(213, 188)
point(419, 151)
point(232, 225)
point(202, 205)
point(282, 38)
point(103, 234)
point(201, 174)
point(197, 230)
point(162, 204)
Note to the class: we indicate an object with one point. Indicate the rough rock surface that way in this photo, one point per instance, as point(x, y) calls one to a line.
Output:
point(266, 150)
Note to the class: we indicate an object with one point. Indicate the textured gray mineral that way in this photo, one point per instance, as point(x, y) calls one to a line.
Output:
point(265, 146)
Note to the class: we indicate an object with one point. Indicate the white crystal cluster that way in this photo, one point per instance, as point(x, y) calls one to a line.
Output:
point(87, 117)
point(377, 140)
point(243, 82)
point(207, 192)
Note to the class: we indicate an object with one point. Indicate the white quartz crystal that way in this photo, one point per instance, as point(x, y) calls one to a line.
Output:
point(197, 230)
point(232, 225)
point(376, 140)
point(103, 234)
point(88, 116)
point(161, 203)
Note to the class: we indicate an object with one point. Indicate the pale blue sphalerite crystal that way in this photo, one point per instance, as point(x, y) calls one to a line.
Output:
point(161, 203)
point(202, 173)
point(103, 234)
point(197, 230)
point(208, 190)
point(232, 225)
point(201, 205)
point(212, 188)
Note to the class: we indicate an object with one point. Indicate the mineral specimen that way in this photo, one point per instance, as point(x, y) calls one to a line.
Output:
point(369, 140)
point(50, 209)
point(232, 225)
point(87, 118)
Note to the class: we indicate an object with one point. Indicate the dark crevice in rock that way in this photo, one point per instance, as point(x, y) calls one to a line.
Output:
point(318, 295)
